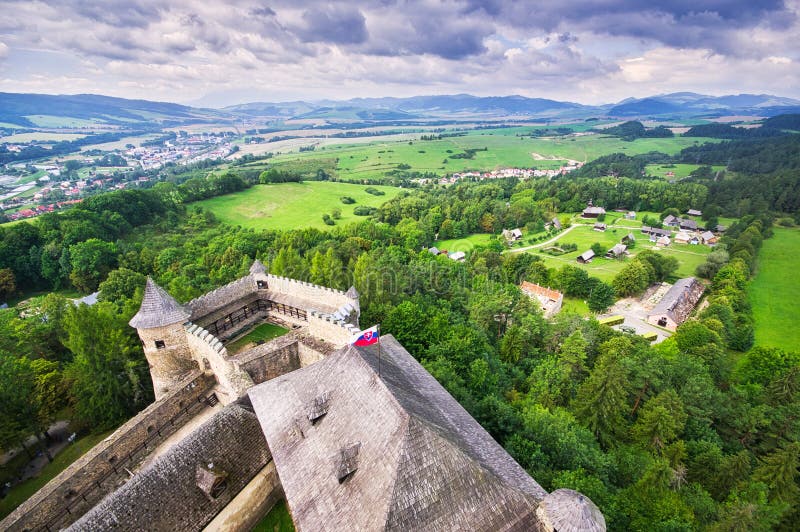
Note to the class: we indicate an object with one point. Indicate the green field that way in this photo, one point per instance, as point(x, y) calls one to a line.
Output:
point(60, 121)
point(41, 137)
point(293, 205)
point(689, 257)
point(774, 292)
point(680, 170)
point(503, 149)
point(260, 333)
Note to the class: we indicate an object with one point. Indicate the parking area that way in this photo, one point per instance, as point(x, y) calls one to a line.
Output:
point(635, 314)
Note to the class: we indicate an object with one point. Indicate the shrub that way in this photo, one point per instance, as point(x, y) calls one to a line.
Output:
point(347, 200)
point(363, 210)
point(374, 191)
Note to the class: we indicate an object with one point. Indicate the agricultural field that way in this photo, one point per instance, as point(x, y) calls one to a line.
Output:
point(293, 205)
point(24, 138)
point(358, 161)
point(774, 292)
point(60, 121)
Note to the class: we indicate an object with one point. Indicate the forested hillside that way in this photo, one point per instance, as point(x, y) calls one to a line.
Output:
point(697, 432)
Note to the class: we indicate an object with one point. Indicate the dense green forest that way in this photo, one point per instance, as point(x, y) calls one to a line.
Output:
point(698, 432)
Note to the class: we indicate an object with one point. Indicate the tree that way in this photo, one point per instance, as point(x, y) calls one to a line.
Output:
point(601, 297)
point(633, 279)
point(108, 377)
point(600, 401)
point(91, 261)
point(8, 283)
point(661, 420)
point(779, 471)
point(121, 284)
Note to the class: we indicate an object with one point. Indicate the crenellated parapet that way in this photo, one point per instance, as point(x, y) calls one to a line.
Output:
point(222, 296)
point(212, 355)
point(330, 328)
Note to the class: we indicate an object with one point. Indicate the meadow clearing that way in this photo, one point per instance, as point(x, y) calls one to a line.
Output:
point(294, 205)
point(774, 292)
point(505, 147)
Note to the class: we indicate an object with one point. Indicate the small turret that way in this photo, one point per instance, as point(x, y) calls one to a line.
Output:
point(159, 323)
point(567, 510)
point(259, 273)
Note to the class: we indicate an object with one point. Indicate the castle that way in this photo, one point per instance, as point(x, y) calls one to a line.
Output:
point(352, 438)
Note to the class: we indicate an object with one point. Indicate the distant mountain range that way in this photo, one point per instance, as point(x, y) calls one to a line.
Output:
point(38, 110)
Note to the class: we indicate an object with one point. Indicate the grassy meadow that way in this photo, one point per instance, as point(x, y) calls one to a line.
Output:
point(679, 170)
point(293, 205)
point(689, 257)
point(504, 148)
point(465, 244)
point(774, 292)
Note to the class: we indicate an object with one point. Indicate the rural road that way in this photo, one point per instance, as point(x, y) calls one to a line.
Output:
point(559, 235)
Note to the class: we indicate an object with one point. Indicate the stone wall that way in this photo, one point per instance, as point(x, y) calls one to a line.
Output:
point(251, 504)
point(271, 359)
point(209, 351)
point(222, 296)
point(101, 470)
point(325, 298)
point(331, 330)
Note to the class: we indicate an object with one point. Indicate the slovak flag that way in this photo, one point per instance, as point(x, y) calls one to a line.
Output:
point(366, 337)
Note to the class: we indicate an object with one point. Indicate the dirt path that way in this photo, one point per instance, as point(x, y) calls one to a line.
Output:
point(542, 244)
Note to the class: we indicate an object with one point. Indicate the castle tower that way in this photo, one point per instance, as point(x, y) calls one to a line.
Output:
point(259, 273)
point(159, 323)
point(353, 296)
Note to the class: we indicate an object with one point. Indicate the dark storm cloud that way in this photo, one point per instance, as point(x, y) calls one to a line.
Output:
point(333, 24)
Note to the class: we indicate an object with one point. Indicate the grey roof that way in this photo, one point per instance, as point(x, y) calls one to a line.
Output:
point(415, 459)
point(688, 224)
point(165, 494)
point(594, 210)
point(434, 250)
point(694, 212)
point(352, 293)
point(567, 510)
point(158, 309)
point(670, 219)
point(258, 267)
point(556, 223)
point(680, 299)
point(618, 250)
point(587, 255)
point(708, 235)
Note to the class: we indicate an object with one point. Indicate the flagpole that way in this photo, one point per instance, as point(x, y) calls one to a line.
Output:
point(379, 350)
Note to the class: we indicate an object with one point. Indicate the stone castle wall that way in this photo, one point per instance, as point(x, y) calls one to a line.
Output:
point(101, 470)
point(325, 326)
point(270, 359)
point(209, 352)
point(324, 298)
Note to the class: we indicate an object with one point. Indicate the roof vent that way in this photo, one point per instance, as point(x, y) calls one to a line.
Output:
point(348, 462)
point(211, 480)
point(318, 408)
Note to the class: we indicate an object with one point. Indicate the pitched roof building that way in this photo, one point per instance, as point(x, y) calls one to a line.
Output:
point(677, 304)
point(550, 300)
point(586, 257)
point(391, 451)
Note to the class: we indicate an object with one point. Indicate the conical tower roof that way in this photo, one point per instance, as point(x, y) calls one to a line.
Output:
point(258, 267)
point(158, 309)
point(352, 293)
point(569, 511)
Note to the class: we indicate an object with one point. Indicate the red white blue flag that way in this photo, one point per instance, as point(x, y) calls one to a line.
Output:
point(366, 337)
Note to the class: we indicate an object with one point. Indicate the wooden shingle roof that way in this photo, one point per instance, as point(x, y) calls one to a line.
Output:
point(422, 462)
point(158, 309)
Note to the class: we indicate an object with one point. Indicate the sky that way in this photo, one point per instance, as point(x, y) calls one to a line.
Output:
point(226, 52)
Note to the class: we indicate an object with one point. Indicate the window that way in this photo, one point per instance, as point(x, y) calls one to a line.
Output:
point(160, 344)
point(262, 285)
